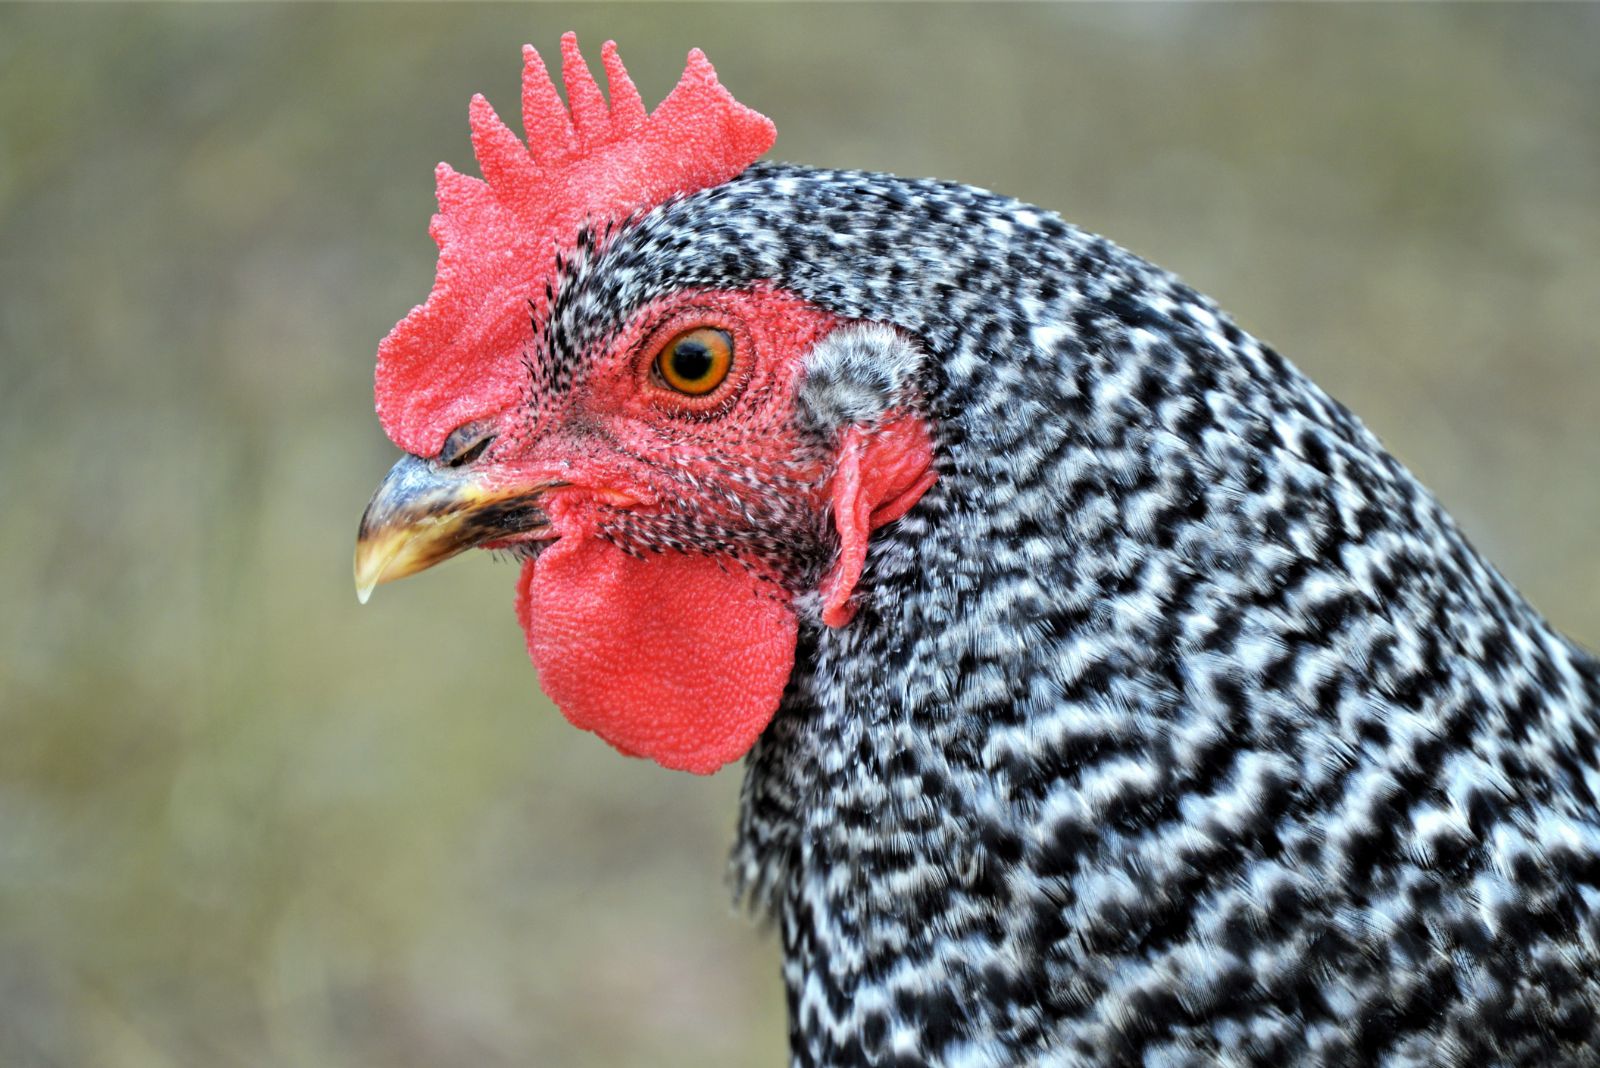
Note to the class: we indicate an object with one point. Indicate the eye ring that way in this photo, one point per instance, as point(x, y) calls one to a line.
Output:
point(696, 361)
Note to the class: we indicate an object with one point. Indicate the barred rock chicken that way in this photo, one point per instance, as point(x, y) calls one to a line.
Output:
point(1108, 695)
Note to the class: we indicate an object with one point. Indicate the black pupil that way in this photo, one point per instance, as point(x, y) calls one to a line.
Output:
point(691, 360)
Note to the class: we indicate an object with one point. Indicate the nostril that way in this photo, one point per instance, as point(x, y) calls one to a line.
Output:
point(465, 444)
point(472, 452)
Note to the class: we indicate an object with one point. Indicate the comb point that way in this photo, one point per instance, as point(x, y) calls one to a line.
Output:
point(591, 120)
point(544, 117)
point(627, 106)
point(502, 157)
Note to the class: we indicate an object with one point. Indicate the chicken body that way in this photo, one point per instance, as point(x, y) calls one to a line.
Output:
point(1179, 724)
point(1165, 720)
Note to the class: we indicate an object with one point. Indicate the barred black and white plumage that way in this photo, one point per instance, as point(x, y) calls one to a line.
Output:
point(1180, 724)
point(1177, 724)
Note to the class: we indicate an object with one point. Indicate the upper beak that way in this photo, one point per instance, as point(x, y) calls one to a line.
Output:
point(425, 513)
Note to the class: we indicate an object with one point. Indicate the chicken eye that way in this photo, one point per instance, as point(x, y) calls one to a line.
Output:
point(696, 361)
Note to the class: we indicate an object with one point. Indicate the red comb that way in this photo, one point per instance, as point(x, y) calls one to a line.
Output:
point(458, 355)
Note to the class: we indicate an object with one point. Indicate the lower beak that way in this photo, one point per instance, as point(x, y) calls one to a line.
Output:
point(424, 513)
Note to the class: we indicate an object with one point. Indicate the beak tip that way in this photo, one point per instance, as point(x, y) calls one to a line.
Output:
point(369, 572)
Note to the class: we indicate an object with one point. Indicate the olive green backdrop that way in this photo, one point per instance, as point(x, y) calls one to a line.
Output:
point(243, 822)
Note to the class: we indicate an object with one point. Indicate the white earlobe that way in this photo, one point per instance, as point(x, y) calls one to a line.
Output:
point(857, 375)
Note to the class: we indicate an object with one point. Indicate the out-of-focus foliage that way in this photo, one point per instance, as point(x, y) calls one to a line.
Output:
point(243, 822)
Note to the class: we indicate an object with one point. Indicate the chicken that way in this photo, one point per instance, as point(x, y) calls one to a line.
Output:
point(1108, 695)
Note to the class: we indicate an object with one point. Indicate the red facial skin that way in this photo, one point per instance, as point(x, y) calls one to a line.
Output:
point(644, 630)
point(679, 656)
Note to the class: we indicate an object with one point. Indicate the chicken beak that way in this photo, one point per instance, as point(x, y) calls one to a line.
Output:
point(425, 513)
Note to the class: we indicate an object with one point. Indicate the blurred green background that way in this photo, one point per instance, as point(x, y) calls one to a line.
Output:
point(243, 822)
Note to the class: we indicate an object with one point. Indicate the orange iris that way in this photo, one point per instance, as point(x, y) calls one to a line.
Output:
point(696, 361)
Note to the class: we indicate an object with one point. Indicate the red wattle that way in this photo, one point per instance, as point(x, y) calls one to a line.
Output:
point(882, 473)
point(671, 656)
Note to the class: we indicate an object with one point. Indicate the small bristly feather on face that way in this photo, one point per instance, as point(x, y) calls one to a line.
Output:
point(1108, 694)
